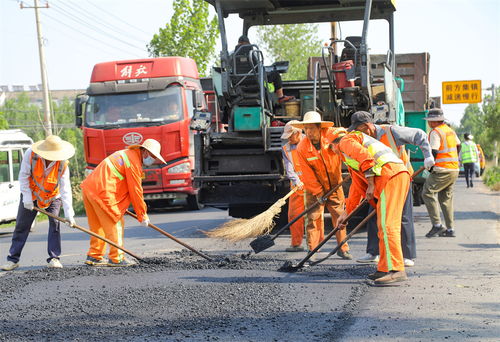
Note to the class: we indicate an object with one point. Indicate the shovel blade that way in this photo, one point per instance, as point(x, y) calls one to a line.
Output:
point(262, 243)
point(288, 266)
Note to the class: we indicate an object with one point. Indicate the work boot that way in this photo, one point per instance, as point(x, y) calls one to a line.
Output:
point(285, 98)
point(448, 233)
point(95, 262)
point(392, 277)
point(9, 266)
point(295, 249)
point(409, 262)
point(368, 258)
point(54, 263)
point(435, 230)
point(344, 255)
point(123, 263)
point(376, 275)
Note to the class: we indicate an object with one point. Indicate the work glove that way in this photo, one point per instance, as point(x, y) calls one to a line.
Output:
point(429, 162)
point(70, 222)
point(145, 223)
point(29, 205)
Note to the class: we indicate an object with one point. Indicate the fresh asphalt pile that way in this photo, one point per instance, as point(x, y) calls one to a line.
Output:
point(179, 297)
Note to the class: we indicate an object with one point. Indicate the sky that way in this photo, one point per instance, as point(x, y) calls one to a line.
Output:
point(462, 37)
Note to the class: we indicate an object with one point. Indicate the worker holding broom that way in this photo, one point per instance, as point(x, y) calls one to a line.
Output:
point(321, 171)
point(108, 192)
point(45, 183)
point(377, 174)
point(296, 202)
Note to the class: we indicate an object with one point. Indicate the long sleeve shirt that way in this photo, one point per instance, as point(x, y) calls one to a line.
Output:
point(64, 185)
point(289, 168)
point(408, 135)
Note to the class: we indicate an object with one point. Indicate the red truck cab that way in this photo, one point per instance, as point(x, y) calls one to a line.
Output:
point(133, 100)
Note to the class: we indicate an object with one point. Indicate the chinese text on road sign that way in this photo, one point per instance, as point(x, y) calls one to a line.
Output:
point(462, 92)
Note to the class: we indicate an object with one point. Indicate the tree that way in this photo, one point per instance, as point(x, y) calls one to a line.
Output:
point(190, 33)
point(293, 43)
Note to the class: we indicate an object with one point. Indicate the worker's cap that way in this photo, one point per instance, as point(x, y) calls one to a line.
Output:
point(243, 39)
point(359, 118)
point(53, 148)
point(435, 114)
point(153, 147)
point(338, 134)
point(312, 118)
point(468, 136)
point(289, 129)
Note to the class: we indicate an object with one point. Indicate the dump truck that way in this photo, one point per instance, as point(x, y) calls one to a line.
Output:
point(130, 101)
point(239, 167)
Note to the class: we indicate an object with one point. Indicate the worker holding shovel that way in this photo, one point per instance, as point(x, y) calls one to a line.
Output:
point(377, 173)
point(108, 192)
point(321, 171)
point(45, 183)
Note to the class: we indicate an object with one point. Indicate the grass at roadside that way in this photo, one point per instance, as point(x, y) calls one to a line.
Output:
point(491, 177)
point(39, 218)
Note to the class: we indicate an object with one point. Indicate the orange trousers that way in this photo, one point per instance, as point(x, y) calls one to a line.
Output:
point(295, 208)
point(389, 210)
point(315, 226)
point(101, 223)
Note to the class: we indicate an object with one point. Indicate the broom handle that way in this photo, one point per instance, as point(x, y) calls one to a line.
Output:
point(324, 198)
point(290, 193)
point(89, 232)
point(173, 238)
point(358, 227)
point(329, 236)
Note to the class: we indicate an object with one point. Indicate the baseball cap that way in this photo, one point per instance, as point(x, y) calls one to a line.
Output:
point(359, 118)
point(289, 129)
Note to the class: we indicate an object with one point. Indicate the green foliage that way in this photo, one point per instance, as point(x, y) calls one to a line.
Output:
point(483, 122)
point(20, 113)
point(491, 177)
point(293, 43)
point(190, 33)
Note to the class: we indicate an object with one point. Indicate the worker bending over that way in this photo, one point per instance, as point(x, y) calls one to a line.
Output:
point(296, 201)
point(394, 137)
point(108, 192)
point(321, 171)
point(377, 174)
point(45, 183)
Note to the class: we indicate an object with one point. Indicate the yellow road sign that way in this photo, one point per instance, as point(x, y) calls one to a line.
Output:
point(461, 92)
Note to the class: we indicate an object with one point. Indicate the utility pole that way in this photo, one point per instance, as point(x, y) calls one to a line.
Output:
point(41, 53)
point(495, 144)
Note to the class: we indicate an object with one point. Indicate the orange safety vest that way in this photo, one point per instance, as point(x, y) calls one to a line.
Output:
point(45, 187)
point(447, 156)
point(293, 156)
point(388, 139)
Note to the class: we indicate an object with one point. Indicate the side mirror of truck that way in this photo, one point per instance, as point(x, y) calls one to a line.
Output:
point(199, 99)
point(201, 121)
point(79, 101)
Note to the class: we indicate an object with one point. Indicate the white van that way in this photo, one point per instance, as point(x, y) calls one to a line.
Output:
point(13, 144)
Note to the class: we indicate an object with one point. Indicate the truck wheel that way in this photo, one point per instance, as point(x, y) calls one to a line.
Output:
point(193, 203)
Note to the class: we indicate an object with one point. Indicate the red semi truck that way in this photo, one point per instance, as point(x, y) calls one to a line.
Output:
point(133, 100)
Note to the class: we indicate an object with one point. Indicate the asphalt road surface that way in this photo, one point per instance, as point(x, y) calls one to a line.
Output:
point(453, 293)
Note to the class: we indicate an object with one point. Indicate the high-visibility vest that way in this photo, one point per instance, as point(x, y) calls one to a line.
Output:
point(379, 151)
point(468, 151)
point(447, 156)
point(115, 161)
point(45, 187)
point(293, 157)
point(388, 139)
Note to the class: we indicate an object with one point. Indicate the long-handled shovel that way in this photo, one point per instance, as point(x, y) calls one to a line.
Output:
point(266, 241)
point(173, 238)
point(90, 233)
point(289, 267)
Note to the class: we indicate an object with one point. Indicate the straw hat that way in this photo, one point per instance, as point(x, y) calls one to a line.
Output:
point(312, 118)
point(153, 147)
point(53, 148)
point(289, 129)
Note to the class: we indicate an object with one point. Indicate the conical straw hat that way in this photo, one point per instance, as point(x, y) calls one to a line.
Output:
point(53, 148)
point(152, 146)
point(312, 118)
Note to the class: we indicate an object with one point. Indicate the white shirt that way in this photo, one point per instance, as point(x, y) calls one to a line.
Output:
point(435, 142)
point(64, 185)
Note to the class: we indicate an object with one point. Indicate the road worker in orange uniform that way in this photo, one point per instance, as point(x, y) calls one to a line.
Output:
point(296, 201)
point(321, 171)
point(108, 192)
point(377, 173)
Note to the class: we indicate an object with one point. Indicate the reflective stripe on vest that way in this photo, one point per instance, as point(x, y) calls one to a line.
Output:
point(469, 152)
point(379, 151)
point(113, 168)
point(45, 188)
point(400, 151)
point(447, 156)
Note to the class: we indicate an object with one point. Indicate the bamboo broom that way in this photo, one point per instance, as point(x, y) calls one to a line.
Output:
point(239, 229)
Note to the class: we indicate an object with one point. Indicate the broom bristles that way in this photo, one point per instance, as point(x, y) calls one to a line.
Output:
point(239, 229)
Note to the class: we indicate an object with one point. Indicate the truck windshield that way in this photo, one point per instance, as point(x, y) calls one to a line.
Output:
point(134, 109)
